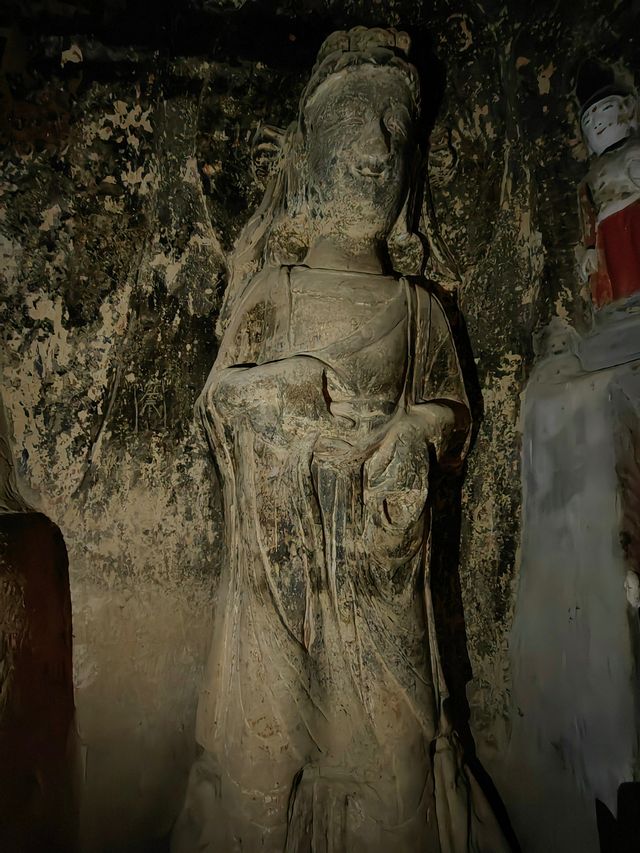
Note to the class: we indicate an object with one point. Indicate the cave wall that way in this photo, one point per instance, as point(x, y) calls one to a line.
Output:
point(105, 346)
point(126, 176)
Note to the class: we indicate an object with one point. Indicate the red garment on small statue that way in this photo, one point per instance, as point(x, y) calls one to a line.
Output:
point(618, 246)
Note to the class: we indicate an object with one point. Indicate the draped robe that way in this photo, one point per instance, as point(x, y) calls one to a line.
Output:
point(321, 717)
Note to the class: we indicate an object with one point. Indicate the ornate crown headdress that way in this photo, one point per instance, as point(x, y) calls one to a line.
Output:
point(358, 46)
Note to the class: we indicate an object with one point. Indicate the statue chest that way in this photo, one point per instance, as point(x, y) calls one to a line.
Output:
point(328, 307)
point(356, 323)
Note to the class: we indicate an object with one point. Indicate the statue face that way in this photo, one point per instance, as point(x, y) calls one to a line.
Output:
point(359, 140)
point(608, 121)
point(632, 588)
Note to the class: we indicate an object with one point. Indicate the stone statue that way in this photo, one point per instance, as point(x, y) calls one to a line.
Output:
point(336, 385)
point(610, 195)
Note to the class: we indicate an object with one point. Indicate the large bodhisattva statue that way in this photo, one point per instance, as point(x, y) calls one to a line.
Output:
point(321, 720)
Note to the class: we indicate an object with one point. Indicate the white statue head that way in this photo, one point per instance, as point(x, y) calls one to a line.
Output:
point(632, 588)
point(608, 120)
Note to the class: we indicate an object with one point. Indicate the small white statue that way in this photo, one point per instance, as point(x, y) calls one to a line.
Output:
point(610, 196)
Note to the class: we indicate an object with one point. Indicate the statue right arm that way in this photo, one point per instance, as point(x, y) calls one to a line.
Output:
point(257, 378)
point(279, 398)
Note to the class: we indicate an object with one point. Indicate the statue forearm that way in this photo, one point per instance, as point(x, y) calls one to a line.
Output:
point(273, 396)
point(444, 425)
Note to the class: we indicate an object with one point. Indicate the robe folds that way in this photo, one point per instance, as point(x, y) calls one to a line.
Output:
point(322, 721)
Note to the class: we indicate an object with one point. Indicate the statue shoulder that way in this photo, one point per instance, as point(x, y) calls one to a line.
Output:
point(267, 278)
point(632, 146)
point(613, 163)
point(261, 287)
point(241, 295)
point(632, 153)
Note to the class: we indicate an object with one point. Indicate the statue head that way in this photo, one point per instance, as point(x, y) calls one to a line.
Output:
point(607, 119)
point(607, 106)
point(357, 123)
point(347, 168)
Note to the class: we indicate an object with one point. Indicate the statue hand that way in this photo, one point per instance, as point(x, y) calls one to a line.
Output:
point(278, 398)
point(396, 475)
point(587, 260)
point(339, 398)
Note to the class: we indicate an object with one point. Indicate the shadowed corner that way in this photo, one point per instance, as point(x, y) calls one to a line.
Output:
point(620, 835)
point(37, 735)
point(446, 536)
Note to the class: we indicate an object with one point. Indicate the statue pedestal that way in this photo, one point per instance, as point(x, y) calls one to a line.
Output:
point(575, 637)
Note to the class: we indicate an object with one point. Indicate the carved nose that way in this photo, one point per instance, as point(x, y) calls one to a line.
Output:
point(373, 150)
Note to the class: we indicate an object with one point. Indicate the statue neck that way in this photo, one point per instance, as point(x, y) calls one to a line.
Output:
point(325, 253)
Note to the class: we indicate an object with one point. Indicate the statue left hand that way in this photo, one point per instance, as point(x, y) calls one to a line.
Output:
point(587, 262)
point(396, 475)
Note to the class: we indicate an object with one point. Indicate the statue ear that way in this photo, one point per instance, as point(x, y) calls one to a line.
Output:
point(290, 233)
point(405, 246)
point(406, 250)
point(267, 149)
